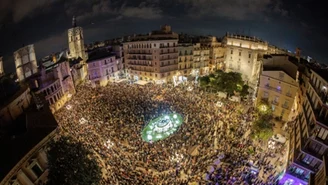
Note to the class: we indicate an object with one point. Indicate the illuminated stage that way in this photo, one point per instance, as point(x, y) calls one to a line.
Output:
point(161, 127)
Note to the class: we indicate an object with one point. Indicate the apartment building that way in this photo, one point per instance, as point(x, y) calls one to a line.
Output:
point(217, 52)
point(185, 61)
point(2, 71)
point(153, 57)
point(103, 67)
point(308, 145)
point(279, 85)
point(201, 60)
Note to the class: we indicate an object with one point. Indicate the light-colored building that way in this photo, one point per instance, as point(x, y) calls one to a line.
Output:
point(308, 144)
point(185, 61)
point(55, 81)
point(76, 41)
point(2, 71)
point(217, 52)
point(201, 60)
point(25, 62)
point(104, 67)
point(152, 57)
point(243, 55)
point(279, 85)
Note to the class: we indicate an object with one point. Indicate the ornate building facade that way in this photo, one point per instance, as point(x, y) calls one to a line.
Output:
point(152, 57)
point(25, 62)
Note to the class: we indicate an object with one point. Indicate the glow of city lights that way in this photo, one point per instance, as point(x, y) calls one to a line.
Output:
point(68, 107)
point(161, 127)
point(263, 108)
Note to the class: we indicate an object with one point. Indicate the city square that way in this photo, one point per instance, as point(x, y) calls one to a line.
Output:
point(211, 146)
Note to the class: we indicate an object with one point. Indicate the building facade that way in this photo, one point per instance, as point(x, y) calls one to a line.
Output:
point(55, 81)
point(309, 137)
point(15, 105)
point(278, 85)
point(201, 60)
point(76, 50)
point(152, 57)
point(2, 71)
point(217, 52)
point(185, 62)
point(104, 68)
point(243, 55)
point(25, 62)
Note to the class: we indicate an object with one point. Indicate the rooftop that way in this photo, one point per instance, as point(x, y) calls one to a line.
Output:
point(100, 54)
point(24, 134)
point(244, 37)
point(323, 72)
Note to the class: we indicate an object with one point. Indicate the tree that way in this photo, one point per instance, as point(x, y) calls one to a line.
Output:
point(70, 163)
point(244, 91)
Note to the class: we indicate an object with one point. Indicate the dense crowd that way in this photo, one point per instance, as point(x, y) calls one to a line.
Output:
point(212, 144)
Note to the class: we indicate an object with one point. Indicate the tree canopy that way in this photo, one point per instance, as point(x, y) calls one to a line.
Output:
point(70, 163)
point(262, 127)
point(225, 82)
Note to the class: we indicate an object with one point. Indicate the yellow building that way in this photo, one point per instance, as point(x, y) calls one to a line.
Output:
point(201, 60)
point(185, 61)
point(279, 85)
point(2, 72)
point(217, 52)
point(152, 57)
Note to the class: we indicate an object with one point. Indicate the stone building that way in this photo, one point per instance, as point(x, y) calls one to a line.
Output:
point(25, 62)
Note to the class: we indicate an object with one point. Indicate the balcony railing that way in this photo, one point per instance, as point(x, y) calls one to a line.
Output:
point(308, 150)
point(275, 103)
point(322, 95)
point(139, 53)
point(289, 94)
point(169, 52)
point(305, 165)
point(285, 106)
point(273, 88)
point(299, 176)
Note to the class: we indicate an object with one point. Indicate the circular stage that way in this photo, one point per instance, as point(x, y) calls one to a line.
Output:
point(161, 127)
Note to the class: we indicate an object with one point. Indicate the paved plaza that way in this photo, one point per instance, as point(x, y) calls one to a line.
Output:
point(209, 145)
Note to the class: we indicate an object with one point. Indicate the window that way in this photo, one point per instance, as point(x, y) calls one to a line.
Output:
point(37, 170)
point(154, 45)
point(307, 159)
point(278, 88)
point(265, 94)
point(238, 66)
point(249, 56)
point(240, 45)
point(273, 108)
point(239, 53)
point(231, 52)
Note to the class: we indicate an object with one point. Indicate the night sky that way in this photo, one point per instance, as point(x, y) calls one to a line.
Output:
point(44, 23)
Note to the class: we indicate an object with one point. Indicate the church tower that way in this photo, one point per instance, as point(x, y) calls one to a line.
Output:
point(76, 42)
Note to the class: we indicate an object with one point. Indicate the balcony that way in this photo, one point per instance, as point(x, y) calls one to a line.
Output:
point(139, 53)
point(135, 64)
point(320, 92)
point(305, 165)
point(275, 103)
point(272, 88)
point(285, 106)
point(289, 94)
point(299, 176)
point(167, 46)
point(321, 140)
point(307, 149)
point(169, 52)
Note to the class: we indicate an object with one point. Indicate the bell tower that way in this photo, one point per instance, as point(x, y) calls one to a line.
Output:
point(76, 41)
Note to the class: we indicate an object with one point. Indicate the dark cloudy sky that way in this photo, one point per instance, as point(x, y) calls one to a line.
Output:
point(287, 24)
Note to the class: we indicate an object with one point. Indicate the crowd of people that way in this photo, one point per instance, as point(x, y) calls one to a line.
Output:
point(212, 144)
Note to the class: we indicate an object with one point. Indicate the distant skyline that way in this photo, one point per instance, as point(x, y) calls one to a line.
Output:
point(44, 23)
